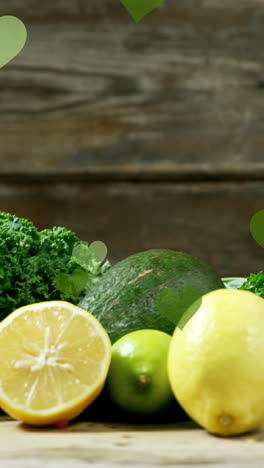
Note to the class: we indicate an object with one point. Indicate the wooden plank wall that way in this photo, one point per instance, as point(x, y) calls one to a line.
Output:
point(141, 135)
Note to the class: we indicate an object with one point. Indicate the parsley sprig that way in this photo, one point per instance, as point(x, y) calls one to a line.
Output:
point(92, 265)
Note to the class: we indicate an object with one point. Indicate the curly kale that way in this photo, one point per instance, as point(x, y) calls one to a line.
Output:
point(40, 266)
point(254, 283)
point(18, 240)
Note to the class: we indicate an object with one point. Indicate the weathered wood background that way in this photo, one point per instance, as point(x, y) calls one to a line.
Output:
point(141, 135)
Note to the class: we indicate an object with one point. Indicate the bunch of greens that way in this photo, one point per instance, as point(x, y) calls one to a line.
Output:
point(41, 266)
point(254, 283)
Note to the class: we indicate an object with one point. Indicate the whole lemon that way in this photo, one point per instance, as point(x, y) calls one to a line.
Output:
point(216, 362)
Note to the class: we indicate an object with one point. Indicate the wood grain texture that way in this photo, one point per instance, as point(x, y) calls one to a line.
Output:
point(208, 220)
point(94, 95)
point(237, 10)
point(96, 110)
point(114, 446)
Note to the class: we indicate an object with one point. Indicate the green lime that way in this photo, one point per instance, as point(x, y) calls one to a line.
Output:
point(138, 378)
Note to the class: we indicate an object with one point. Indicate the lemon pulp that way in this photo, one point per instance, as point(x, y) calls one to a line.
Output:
point(54, 359)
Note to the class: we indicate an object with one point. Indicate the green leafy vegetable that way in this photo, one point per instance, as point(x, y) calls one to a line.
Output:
point(75, 285)
point(254, 283)
point(40, 266)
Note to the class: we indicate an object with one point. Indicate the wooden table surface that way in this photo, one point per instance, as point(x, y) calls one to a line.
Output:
point(121, 445)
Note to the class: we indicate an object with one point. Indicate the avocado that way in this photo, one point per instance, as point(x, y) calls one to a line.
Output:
point(124, 298)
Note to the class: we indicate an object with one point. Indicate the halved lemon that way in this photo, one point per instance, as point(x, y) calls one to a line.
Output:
point(54, 360)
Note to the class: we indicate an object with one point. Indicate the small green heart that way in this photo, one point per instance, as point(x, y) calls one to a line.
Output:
point(100, 250)
point(140, 8)
point(257, 227)
point(72, 284)
point(13, 36)
point(189, 313)
point(83, 255)
point(173, 304)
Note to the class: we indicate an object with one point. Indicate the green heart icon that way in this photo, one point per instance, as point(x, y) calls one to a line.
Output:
point(257, 227)
point(72, 284)
point(178, 306)
point(140, 8)
point(13, 36)
point(100, 250)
